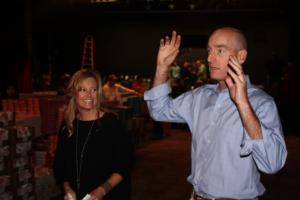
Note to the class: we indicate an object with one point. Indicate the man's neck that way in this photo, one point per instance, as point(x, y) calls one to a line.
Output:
point(110, 85)
point(222, 85)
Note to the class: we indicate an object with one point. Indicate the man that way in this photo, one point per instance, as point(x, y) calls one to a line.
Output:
point(274, 68)
point(112, 87)
point(186, 74)
point(138, 83)
point(235, 126)
point(201, 71)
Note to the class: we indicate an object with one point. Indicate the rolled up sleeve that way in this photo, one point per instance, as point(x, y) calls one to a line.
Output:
point(270, 152)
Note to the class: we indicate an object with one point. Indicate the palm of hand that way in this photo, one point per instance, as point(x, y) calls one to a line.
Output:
point(165, 55)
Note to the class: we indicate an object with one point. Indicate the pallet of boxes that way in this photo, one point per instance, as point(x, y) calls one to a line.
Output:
point(16, 149)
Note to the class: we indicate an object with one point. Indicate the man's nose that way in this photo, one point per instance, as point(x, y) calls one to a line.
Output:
point(210, 57)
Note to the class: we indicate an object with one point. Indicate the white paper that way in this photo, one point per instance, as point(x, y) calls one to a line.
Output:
point(85, 198)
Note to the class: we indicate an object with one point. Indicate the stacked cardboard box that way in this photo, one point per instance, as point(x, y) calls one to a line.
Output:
point(16, 172)
point(33, 106)
point(49, 111)
point(45, 183)
point(44, 152)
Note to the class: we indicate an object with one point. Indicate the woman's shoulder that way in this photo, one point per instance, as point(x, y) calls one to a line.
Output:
point(110, 117)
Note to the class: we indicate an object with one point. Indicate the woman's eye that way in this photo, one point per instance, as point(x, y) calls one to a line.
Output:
point(208, 50)
point(82, 90)
point(94, 90)
point(221, 51)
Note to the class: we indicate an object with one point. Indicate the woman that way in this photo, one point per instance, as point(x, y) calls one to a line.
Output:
point(94, 153)
point(11, 92)
point(64, 83)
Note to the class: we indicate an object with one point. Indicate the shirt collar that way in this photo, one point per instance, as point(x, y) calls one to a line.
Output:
point(216, 88)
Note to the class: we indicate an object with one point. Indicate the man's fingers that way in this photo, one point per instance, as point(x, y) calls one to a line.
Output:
point(162, 43)
point(233, 62)
point(233, 75)
point(229, 82)
point(167, 40)
point(178, 41)
point(236, 62)
point(173, 40)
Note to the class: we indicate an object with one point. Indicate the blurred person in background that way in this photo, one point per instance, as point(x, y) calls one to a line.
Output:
point(197, 84)
point(274, 70)
point(178, 89)
point(46, 84)
point(112, 87)
point(63, 86)
point(186, 74)
point(194, 75)
point(138, 83)
point(202, 74)
point(11, 92)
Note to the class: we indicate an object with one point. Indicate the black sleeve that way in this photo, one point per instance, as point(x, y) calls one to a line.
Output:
point(59, 167)
point(123, 150)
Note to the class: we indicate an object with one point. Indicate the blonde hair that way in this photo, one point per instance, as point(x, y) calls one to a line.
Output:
point(75, 85)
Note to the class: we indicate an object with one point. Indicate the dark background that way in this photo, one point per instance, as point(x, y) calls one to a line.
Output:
point(126, 34)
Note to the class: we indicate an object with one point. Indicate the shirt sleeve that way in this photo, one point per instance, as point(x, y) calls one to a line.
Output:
point(105, 89)
point(122, 89)
point(270, 152)
point(123, 150)
point(59, 167)
point(164, 108)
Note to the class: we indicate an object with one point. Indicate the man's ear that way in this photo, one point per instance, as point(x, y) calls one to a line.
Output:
point(242, 55)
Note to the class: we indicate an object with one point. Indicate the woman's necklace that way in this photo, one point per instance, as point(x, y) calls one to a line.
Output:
point(78, 174)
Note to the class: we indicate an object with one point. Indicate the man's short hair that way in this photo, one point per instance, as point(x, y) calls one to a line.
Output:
point(112, 77)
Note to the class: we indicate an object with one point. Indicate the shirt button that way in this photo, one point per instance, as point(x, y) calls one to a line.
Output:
point(204, 160)
point(213, 123)
point(219, 105)
point(246, 151)
point(201, 177)
point(208, 141)
point(201, 195)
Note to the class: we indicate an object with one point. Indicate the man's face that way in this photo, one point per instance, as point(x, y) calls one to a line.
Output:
point(220, 46)
point(140, 80)
point(112, 82)
point(10, 91)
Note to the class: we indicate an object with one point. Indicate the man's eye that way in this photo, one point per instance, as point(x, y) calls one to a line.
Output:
point(208, 50)
point(221, 51)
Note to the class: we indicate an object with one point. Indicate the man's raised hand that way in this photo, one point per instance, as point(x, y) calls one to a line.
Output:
point(166, 55)
point(168, 51)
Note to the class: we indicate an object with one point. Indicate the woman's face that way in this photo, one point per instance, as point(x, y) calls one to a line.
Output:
point(87, 96)
point(10, 91)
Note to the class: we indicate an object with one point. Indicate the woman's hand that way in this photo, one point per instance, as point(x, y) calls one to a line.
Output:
point(72, 193)
point(97, 194)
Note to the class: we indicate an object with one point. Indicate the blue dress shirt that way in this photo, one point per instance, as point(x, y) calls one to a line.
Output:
point(225, 160)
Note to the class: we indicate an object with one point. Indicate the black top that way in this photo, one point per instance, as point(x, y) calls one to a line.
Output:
point(108, 150)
